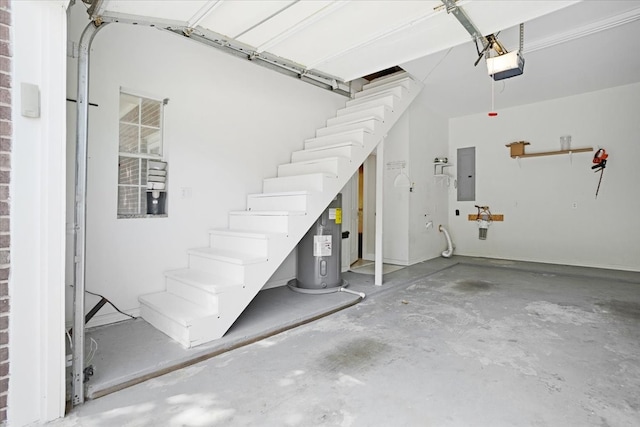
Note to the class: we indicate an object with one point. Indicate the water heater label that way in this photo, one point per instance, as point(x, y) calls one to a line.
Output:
point(336, 214)
point(322, 245)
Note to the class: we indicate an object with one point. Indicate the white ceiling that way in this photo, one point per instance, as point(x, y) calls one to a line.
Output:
point(588, 46)
point(345, 39)
point(570, 46)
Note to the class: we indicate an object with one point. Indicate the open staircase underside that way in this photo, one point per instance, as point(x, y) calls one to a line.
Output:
point(202, 301)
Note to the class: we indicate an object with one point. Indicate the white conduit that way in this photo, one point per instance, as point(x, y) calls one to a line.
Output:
point(349, 291)
point(449, 251)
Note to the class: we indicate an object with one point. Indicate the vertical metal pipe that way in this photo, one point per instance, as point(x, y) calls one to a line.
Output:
point(379, 212)
point(82, 136)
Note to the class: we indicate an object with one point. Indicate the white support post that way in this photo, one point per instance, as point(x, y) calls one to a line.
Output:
point(379, 212)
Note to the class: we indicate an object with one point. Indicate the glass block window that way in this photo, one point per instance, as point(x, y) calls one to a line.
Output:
point(140, 140)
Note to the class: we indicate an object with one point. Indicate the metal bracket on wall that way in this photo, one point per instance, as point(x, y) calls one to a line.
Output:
point(79, 242)
point(233, 47)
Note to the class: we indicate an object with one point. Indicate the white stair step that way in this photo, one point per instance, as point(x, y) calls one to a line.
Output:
point(244, 241)
point(364, 107)
point(378, 113)
point(356, 136)
point(368, 124)
point(231, 257)
point(268, 221)
point(287, 201)
point(327, 165)
point(183, 321)
point(406, 83)
point(224, 263)
point(175, 307)
point(390, 101)
point(207, 282)
point(199, 287)
point(398, 91)
point(397, 79)
point(344, 149)
point(310, 182)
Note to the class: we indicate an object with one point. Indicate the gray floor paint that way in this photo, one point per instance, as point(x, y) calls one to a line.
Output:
point(461, 342)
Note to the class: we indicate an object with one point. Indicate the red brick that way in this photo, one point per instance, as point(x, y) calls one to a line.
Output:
point(4, 308)
point(5, 144)
point(5, 159)
point(5, 49)
point(4, 369)
point(4, 194)
point(5, 177)
point(5, 96)
point(3, 415)
point(5, 64)
point(5, 128)
point(4, 385)
point(4, 323)
point(5, 258)
point(5, 17)
point(4, 354)
point(4, 289)
point(5, 79)
point(4, 208)
point(5, 240)
point(5, 112)
point(4, 273)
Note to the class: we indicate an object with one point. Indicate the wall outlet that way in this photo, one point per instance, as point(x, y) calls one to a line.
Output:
point(574, 205)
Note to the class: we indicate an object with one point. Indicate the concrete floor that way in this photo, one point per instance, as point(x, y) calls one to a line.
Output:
point(461, 342)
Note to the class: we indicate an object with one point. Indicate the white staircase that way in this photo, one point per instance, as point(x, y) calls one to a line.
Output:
point(203, 300)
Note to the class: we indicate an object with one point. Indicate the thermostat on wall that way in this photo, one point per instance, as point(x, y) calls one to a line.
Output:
point(29, 100)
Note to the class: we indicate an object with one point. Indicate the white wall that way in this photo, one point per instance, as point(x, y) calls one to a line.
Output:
point(536, 195)
point(428, 203)
point(36, 283)
point(228, 124)
point(396, 199)
point(417, 138)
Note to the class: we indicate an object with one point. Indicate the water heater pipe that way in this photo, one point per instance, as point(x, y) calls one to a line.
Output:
point(449, 251)
point(349, 291)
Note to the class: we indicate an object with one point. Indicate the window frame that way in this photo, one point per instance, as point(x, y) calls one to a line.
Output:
point(142, 158)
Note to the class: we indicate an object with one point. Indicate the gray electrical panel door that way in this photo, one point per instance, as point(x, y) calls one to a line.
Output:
point(466, 174)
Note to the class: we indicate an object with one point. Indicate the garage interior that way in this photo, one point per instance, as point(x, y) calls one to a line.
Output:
point(459, 341)
point(538, 305)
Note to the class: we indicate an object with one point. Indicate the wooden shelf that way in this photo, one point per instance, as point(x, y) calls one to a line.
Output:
point(442, 165)
point(553, 153)
point(494, 217)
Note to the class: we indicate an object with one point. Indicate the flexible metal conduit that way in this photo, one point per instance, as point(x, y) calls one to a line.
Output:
point(449, 251)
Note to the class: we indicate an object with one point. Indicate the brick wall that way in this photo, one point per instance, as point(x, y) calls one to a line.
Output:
point(5, 172)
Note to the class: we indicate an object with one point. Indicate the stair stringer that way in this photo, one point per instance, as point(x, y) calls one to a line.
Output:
point(284, 229)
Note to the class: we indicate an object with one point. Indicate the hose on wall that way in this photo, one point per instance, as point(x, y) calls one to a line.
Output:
point(447, 253)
